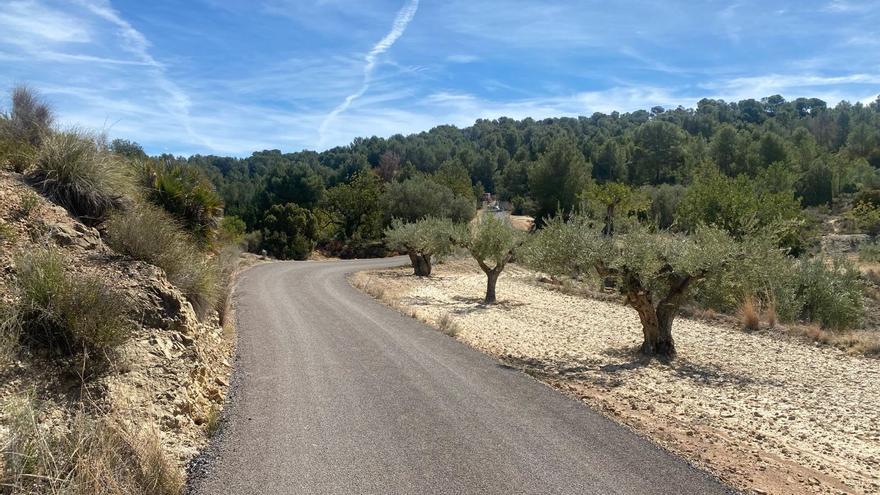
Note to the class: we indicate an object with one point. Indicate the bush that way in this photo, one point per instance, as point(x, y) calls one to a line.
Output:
point(289, 231)
point(232, 231)
point(67, 312)
point(73, 170)
point(91, 457)
point(148, 233)
point(186, 193)
point(865, 217)
point(830, 294)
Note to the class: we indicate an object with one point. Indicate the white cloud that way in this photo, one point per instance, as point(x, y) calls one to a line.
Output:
point(28, 20)
point(462, 59)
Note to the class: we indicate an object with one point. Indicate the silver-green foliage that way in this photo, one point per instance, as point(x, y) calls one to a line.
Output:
point(428, 236)
point(575, 247)
point(492, 242)
point(423, 240)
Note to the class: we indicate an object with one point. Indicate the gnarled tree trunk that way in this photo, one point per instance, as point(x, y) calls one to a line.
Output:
point(421, 264)
point(657, 320)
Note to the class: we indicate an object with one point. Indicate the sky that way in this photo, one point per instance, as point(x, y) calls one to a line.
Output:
point(230, 77)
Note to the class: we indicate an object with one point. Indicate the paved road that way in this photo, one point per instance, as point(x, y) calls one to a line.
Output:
point(335, 393)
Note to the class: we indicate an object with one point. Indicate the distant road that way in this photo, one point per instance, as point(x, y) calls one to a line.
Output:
point(334, 393)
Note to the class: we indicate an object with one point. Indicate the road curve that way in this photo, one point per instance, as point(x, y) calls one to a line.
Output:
point(335, 393)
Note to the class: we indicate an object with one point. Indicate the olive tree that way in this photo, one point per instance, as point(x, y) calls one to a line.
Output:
point(492, 241)
point(653, 271)
point(422, 240)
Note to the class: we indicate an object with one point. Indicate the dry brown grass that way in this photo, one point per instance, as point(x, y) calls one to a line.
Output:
point(364, 283)
point(448, 325)
point(748, 314)
point(91, 456)
point(866, 342)
point(770, 314)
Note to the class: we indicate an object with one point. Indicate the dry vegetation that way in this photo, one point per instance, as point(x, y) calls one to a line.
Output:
point(113, 361)
point(765, 409)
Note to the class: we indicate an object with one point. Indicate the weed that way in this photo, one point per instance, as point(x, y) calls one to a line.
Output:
point(71, 169)
point(448, 325)
point(28, 204)
point(770, 314)
point(91, 457)
point(150, 234)
point(748, 313)
point(66, 312)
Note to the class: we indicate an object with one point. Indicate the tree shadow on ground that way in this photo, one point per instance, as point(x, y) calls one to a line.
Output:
point(611, 374)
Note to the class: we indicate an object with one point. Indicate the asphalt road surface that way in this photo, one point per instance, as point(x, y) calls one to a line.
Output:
point(335, 393)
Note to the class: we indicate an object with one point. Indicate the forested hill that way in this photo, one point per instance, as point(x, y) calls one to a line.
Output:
point(804, 147)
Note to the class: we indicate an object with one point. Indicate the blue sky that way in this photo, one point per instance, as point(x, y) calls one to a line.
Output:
point(234, 76)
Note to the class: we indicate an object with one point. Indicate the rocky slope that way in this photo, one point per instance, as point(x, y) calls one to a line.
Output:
point(169, 378)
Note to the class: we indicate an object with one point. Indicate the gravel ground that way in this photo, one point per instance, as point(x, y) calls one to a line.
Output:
point(765, 412)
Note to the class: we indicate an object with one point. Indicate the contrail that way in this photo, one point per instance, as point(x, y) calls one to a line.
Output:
point(404, 16)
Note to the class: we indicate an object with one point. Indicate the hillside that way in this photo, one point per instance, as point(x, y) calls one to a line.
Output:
point(161, 390)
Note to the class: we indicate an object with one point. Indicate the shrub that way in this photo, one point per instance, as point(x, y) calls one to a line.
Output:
point(73, 170)
point(289, 231)
point(91, 457)
point(23, 128)
point(865, 216)
point(831, 294)
point(67, 312)
point(232, 231)
point(148, 233)
point(186, 193)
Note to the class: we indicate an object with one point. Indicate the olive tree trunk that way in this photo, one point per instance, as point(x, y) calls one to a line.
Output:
point(491, 280)
point(657, 319)
point(421, 264)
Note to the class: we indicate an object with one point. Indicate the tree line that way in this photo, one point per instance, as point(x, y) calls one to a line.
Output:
point(791, 154)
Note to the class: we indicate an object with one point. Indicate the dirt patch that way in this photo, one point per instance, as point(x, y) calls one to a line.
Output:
point(763, 411)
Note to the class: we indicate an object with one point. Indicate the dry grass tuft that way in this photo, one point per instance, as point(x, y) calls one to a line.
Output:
point(66, 312)
point(748, 314)
point(448, 325)
point(103, 457)
point(74, 170)
point(150, 234)
point(770, 314)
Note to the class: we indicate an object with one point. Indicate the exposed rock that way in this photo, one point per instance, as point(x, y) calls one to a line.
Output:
point(836, 244)
point(172, 371)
